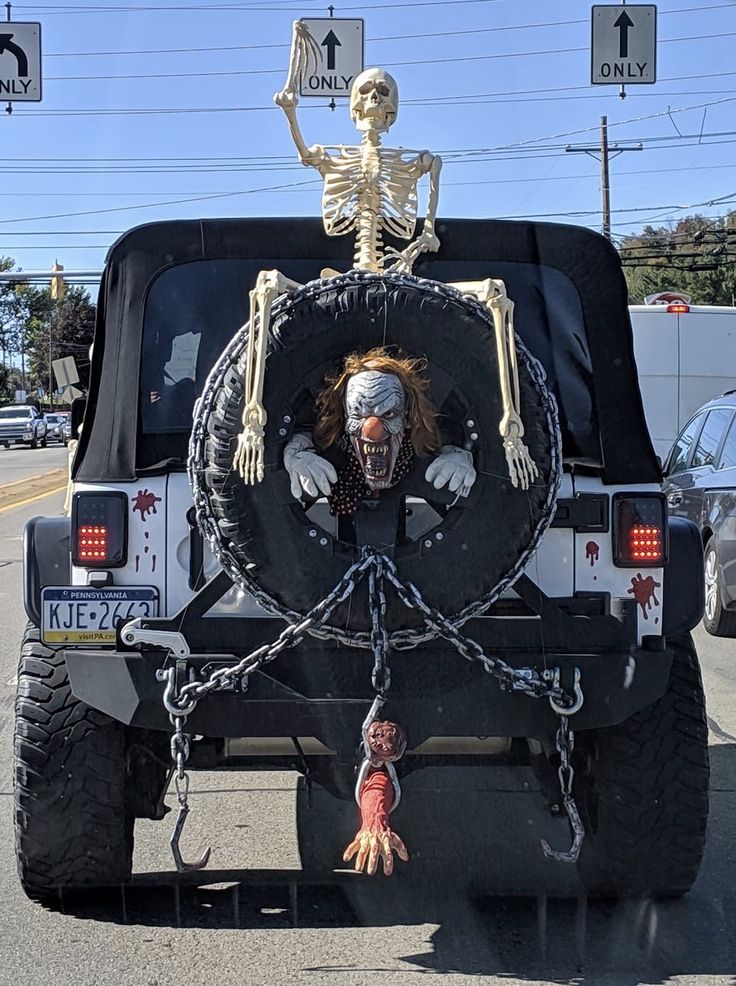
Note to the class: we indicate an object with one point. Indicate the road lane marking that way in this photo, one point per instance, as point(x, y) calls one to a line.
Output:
point(32, 499)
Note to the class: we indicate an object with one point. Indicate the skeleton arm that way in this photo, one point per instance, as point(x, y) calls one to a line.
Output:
point(427, 241)
point(304, 54)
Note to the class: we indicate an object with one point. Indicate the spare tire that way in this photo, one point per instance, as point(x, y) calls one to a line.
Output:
point(264, 538)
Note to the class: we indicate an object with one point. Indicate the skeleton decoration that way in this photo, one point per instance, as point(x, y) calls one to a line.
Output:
point(377, 410)
point(370, 189)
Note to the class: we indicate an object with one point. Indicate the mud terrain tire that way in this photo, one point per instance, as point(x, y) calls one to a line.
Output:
point(71, 826)
point(644, 798)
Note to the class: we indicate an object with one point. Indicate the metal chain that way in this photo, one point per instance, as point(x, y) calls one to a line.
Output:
point(180, 755)
point(565, 744)
point(378, 568)
point(190, 694)
point(470, 649)
point(381, 676)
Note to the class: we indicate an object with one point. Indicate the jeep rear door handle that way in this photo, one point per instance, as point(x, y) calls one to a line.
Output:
point(674, 499)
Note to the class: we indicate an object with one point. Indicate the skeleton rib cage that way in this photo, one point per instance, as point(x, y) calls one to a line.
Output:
point(369, 189)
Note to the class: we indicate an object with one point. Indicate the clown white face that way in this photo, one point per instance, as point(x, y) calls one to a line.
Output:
point(375, 423)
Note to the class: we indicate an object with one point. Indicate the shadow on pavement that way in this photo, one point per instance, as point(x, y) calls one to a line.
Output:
point(550, 937)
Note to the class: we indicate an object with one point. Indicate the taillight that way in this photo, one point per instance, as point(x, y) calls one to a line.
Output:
point(639, 530)
point(99, 530)
point(678, 307)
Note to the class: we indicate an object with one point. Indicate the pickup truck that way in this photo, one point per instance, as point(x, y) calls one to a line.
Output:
point(22, 424)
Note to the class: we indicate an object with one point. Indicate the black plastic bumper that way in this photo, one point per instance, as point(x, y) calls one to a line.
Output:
point(433, 693)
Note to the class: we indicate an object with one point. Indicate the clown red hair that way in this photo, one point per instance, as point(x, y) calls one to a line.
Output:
point(422, 414)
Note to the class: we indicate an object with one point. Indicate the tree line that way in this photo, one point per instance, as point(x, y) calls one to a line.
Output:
point(35, 329)
point(696, 256)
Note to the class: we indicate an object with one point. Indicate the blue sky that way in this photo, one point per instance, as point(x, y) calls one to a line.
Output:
point(97, 156)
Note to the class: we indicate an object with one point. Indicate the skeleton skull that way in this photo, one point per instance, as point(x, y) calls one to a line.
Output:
point(375, 423)
point(374, 100)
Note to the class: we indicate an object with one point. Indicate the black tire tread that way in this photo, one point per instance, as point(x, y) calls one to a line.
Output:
point(650, 788)
point(72, 829)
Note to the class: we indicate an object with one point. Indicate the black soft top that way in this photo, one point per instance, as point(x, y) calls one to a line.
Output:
point(566, 282)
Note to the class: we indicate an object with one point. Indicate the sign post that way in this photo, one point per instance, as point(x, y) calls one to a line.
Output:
point(339, 41)
point(624, 45)
point(20, 62)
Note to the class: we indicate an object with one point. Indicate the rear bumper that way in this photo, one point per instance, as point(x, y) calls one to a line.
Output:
point(325, 693)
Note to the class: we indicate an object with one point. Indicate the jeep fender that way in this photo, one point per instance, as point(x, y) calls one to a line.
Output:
point(46, 560)
point(684, 583)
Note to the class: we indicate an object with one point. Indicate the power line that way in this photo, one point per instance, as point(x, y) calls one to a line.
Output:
point(420, 61)
point(394, 37)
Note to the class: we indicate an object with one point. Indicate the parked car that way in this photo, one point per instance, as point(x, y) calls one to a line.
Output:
point(66, 429)
point(700, 484)
point(55, 424)
point(22, 423)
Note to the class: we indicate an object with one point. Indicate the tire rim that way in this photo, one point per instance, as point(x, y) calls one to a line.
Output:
point(711, 586)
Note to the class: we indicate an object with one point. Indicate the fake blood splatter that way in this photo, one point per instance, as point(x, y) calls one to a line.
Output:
point(643, 591)
point(145, 503)
point(592, 550)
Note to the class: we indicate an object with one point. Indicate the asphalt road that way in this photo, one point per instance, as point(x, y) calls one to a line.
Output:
point(21, 462)
point(250, 921)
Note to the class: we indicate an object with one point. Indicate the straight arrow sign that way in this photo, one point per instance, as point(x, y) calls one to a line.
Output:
point(623, 49)
point(331, 42)
point(623, 23)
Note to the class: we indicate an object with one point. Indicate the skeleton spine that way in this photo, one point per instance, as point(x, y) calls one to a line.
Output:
point(368, 242)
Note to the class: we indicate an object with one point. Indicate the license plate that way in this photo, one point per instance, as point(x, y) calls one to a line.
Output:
point(85, 615)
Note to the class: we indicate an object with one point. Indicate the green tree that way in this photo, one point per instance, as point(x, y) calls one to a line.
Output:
point(697, 256)
point(56, 329)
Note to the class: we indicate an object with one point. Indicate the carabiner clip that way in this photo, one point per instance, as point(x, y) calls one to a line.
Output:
point(567, 710)
point(181, 866)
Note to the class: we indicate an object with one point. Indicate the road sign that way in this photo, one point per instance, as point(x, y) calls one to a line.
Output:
point(624, 45)
point(20, 62)
point(65, 371)
point(340, 44)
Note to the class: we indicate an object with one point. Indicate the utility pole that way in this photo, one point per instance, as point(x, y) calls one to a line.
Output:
point(606, 152)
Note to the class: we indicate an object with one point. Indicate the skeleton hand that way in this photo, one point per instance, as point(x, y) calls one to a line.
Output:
point(522, 468)
point(404, 260)
point(248, 458)
point(453, 468)
point(308, 472)
point(304, 59)
point(376, 838)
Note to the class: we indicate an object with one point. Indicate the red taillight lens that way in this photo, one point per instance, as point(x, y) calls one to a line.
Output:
point(678, 307)
point(639, 531)
point(99, 530)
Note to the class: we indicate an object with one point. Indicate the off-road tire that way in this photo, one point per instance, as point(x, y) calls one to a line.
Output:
point(72, 829)
point(644, 796)
point(721, 622)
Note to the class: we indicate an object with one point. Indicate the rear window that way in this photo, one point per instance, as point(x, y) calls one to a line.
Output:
point(193, 310)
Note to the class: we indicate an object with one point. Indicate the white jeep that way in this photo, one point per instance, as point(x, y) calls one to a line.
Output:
point(204, 608)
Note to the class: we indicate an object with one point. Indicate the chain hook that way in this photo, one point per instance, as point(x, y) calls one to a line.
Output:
point(565, 743)
point(181, 865)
